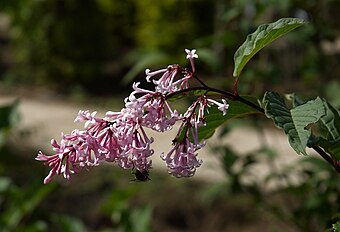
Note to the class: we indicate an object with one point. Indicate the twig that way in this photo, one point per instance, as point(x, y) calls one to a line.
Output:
point(326, 157)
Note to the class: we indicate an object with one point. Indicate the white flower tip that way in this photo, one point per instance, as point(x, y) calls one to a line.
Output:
point(54, 142)
point(111, 114)
point(135, 85)
point(148, 76)
point(47, 180)
point(87, 124)
point(191, 53)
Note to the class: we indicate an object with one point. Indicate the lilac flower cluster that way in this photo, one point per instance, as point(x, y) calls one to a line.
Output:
point(120, 137)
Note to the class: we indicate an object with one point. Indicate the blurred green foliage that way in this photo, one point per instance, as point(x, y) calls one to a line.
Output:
point(304, 195)
point(91, 45)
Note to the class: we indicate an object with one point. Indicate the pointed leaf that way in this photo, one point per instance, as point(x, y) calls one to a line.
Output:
point(264, 35)
point(294, 121)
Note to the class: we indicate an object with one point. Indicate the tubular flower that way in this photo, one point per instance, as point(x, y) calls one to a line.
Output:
point(63, 162)
point(191, 54)
point(221, 106)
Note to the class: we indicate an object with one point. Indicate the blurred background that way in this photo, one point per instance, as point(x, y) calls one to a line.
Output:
point(59, 56)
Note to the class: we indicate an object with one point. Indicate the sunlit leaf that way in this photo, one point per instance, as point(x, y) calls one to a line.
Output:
point(264, 35)
point(294, 121)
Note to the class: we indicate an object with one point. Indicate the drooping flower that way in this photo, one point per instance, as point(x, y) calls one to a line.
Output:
point(182, 159)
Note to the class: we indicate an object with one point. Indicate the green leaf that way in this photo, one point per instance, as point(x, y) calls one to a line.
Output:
point(329, 131)
point(215, 118)
point(294, 121)
point(264, 35)
point(331, 121)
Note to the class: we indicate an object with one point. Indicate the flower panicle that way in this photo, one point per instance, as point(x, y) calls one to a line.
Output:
point(120, 137)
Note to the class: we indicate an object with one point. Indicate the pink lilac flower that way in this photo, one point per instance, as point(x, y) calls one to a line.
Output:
point(120, 137)
point(159, 117)
point(86, 116)
point(140, 150)
point(63, 162)
point(182, 159)
point(166, 83)
point(221, 106)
